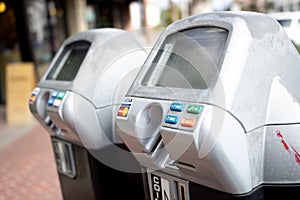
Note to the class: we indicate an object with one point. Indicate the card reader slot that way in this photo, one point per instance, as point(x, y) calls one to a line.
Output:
point(184, 165)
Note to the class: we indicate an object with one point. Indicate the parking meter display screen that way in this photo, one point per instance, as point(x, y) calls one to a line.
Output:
point(188, 59)
point(68, 64)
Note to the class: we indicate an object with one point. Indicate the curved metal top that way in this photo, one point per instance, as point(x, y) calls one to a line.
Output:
point(259, 77)
point(112, 54)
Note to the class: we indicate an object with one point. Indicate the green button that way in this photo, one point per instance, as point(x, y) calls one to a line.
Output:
point(61, 95)
point(195, 109)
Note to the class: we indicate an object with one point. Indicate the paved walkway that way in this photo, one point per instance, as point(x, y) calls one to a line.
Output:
point(27, 165)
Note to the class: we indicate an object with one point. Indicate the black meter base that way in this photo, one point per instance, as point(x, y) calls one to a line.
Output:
point(94, 180)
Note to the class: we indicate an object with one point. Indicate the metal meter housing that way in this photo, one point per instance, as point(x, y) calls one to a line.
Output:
point(216, 105)
point(88, 76)
point(75, 101)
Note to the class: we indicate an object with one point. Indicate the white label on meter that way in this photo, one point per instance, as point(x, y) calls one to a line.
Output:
point(160, 188)
point(165, 185)
point(161, 64)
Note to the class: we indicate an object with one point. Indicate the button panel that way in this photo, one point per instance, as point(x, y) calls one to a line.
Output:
point(56, 98)
point(183, 116)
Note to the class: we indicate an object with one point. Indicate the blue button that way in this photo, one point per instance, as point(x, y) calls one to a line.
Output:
point(177, 107)
point(50, 101)
point(54, 94)
point(171, 119)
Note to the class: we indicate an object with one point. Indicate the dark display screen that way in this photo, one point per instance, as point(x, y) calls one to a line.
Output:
point(69, 62)
point(188, 59)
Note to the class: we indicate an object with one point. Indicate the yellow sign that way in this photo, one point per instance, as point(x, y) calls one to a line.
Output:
point(20, 81)
point(2, 7)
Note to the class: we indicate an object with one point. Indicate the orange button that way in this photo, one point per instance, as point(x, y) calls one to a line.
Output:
point(188, 122)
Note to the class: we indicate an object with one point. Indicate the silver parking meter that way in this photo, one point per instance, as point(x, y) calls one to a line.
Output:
point(75, 101)
point(214, 112)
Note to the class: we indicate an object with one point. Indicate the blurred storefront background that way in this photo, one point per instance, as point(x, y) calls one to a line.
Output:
point(33, 30)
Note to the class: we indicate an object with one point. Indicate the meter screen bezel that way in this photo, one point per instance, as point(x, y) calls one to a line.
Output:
point(69, 62)
point(186, 59)
point(140, 87)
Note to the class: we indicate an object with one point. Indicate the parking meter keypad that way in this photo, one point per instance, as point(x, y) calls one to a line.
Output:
point(56, 98)
point(180, 118)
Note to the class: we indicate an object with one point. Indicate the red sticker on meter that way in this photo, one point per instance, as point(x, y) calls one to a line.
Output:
point(33, 95)
point(123, 110)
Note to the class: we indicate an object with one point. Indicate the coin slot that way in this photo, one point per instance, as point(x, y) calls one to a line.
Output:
point(181, 191)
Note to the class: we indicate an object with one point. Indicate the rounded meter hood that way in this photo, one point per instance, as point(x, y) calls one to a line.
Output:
point(241, 62)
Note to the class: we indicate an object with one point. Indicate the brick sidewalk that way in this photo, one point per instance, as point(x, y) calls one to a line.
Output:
point(27, 168)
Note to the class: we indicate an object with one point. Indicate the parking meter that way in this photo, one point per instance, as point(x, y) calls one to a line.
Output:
point(214, 112)
point(74, 102)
